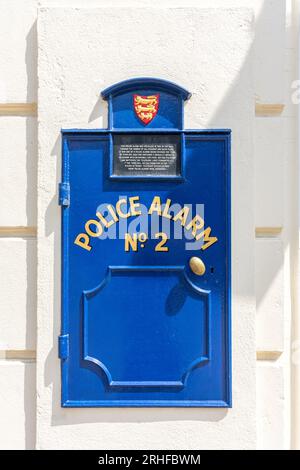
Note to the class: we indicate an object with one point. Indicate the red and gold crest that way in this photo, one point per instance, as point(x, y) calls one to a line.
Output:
point(146, 107)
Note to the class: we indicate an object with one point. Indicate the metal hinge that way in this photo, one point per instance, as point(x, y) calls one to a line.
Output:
point(63, 346)
point(64, 194)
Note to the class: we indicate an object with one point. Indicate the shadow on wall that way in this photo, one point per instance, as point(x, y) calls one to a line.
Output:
point(222, 118)
point(31, 258)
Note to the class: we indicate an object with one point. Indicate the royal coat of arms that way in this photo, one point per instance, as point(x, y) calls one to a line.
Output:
point(146, 107)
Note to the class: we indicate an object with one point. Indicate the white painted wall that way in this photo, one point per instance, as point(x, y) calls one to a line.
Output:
point(181, 40)
point(258, 67)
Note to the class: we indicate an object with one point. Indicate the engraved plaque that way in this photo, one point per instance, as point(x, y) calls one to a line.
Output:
point(146, 155)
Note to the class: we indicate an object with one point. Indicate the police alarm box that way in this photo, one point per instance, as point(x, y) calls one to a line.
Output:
point(145, 256)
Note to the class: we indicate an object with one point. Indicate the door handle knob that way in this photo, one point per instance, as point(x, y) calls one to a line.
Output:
point(197, 266)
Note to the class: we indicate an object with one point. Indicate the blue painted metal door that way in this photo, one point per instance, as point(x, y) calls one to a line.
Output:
point(139, 327)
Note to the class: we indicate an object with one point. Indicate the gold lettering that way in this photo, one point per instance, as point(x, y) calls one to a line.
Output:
point(155, 206)
point(89, 231)
point(131, 242)
point(206, 238)
point(196, 224)
point(182, 215)
point(82, 240)
point(164, 238)
point(166, 210)
point(112, 212)
point(94, 228)
point(104, 221)
point(134, 206)
point(122, 215)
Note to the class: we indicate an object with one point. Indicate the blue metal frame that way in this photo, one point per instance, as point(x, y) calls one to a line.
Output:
point(134, 84)
point(64, 198)
point(139, 84)
point(213, 135)
point(64, 275)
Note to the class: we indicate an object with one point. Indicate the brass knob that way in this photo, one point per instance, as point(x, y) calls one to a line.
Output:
point(197, 266)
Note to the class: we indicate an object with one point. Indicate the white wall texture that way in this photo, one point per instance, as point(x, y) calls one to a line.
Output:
point(78, 51)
